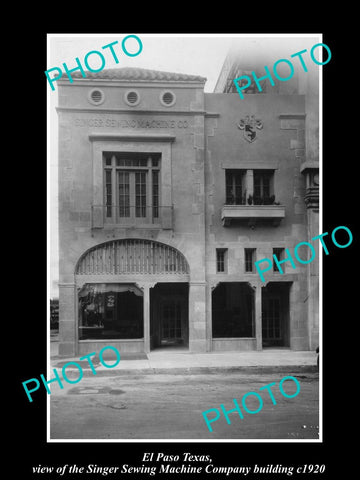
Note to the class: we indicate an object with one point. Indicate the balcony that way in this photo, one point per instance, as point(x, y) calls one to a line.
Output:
point(111, 216)
point(252, 214)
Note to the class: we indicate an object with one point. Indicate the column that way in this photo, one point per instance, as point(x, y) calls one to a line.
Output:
point(197, 317)
point(146, 307)
point(258, 316)
point(67, 319)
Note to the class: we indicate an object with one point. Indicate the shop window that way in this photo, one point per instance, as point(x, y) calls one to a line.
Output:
point(249, 259)
point(132, 187)
point(233, 311)
point(110, 311)
point(221, 260)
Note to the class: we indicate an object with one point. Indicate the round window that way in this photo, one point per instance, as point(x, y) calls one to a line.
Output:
point(132, 97)
point(96, 96)
point(167, 98)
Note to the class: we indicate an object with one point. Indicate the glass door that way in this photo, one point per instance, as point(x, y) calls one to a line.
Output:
point(272, 333)
point(171, 313)
point(132, 196)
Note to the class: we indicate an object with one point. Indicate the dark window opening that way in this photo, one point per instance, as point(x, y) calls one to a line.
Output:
point(279, 252)
point(221, 259)
point(249, 259)
point(233, 311)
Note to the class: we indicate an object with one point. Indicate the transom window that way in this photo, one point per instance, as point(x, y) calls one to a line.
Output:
point(132, 187)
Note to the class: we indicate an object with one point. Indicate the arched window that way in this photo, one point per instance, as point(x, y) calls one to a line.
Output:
point(132, 256)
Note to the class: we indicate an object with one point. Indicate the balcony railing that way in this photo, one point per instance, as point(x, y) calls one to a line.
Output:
point(132, 215)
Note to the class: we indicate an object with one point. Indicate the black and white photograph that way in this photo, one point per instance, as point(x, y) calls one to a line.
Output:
point(188, 220)
point(193, 225)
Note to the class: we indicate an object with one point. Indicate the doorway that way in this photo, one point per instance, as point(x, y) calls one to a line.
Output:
point(275, 315)
point(169, 324)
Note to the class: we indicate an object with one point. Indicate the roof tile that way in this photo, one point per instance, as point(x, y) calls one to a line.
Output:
point(142, 74)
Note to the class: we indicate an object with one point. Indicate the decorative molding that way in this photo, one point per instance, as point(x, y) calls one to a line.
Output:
point(299, 116)
point(136, 112)
point(312, 197)
point(143, 284)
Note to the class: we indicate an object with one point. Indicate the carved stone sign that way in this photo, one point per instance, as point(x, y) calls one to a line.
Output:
point(106, 122)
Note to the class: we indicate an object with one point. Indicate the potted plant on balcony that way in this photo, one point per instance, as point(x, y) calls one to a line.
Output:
point(269, 200)
point(250, 200)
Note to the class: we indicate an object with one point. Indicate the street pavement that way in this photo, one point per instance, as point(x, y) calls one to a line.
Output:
point(162, 395)
point(166, 406)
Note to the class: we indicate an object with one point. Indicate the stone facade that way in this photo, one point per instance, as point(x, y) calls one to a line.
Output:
point(108, 207)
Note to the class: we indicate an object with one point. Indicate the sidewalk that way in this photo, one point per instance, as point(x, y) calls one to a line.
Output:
point(181, 361)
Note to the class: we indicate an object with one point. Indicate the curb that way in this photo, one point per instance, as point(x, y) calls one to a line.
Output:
point(205, 370)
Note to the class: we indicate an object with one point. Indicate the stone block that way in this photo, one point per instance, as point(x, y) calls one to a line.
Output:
point(67, 349)
point(67, 330)
point(197, 345)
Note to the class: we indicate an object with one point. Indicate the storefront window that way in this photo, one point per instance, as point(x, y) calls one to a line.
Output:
point(110, 311)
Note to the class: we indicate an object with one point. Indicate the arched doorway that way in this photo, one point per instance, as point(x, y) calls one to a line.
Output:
point(133, 292)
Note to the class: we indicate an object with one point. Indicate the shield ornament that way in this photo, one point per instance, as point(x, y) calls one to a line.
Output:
point(249, 125)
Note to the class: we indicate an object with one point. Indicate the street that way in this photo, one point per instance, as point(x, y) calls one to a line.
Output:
point(164, 406)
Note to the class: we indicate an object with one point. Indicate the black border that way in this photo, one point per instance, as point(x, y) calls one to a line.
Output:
point(339, 161)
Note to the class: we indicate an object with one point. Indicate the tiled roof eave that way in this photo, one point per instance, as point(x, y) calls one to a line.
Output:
point(135, 75)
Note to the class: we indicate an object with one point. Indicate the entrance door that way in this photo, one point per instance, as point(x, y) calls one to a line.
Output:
point(170, 321)
point(169, 318)
point(271, 321)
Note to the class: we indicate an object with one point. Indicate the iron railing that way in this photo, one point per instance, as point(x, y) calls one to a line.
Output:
point(159, 215)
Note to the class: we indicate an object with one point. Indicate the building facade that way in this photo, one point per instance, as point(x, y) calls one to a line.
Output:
point(167, 197)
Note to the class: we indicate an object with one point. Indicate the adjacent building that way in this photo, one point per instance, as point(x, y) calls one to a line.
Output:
point(167, 197)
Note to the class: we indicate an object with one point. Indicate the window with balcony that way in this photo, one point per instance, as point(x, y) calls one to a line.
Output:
point(235, 187)
point(250, 196)
point(131, 187)
point(263, 187)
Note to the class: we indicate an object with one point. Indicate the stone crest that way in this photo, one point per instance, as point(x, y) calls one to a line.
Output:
point(249, 125)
